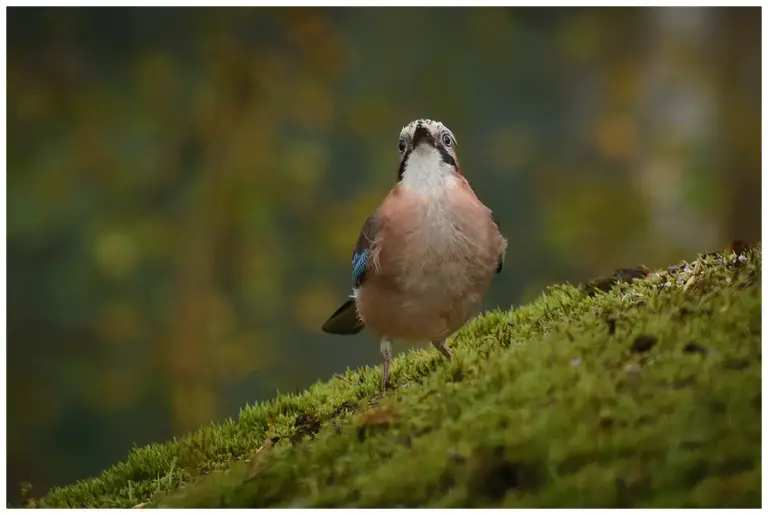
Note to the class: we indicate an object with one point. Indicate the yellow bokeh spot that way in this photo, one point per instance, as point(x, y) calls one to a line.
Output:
point(616, 136)
point(115, 254)
point(313, 306)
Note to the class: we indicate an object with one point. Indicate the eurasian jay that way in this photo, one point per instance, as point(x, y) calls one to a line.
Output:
point(426, 257)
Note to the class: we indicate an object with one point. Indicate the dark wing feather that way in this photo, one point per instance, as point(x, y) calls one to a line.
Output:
point(501, 257)
point(346, 320)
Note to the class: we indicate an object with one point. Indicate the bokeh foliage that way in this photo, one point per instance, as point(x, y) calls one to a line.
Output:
point(185, 186)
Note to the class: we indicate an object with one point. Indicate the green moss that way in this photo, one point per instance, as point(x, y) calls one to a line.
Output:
point(645, 395)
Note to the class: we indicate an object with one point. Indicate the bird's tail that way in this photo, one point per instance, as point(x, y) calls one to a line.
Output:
point(344, 320)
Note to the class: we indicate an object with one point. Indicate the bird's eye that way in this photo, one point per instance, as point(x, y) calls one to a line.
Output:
point(401, 145)
point(447, 140)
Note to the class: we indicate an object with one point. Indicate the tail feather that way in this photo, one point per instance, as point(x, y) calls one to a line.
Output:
point(344, 320)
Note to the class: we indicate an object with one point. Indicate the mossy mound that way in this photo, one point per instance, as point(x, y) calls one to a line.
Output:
point(644, 395)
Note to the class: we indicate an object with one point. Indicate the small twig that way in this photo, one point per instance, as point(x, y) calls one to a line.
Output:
point(692, 278)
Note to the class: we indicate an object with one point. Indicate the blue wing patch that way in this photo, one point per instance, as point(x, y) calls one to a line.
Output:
point(362, 253)
point(359, 264)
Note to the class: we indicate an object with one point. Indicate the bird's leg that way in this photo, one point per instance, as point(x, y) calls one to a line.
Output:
point(386, 351)
point(440, 345)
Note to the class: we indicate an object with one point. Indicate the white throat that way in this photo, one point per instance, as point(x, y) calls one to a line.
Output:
point(426, 173)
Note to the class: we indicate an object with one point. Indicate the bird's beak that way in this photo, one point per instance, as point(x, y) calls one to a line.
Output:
point(422, 134)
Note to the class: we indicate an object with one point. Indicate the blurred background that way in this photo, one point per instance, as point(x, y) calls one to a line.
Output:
point(185, 186)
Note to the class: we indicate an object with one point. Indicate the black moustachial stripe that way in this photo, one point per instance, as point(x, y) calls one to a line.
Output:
point(447, 158)
point(403, 161)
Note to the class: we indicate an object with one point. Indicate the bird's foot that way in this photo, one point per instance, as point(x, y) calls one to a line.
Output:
point(443, 349)
point(385, 382)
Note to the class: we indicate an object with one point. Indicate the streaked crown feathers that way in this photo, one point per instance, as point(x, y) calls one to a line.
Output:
point(435, 128)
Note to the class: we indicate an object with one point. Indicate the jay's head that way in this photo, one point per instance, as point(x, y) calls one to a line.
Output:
point(427, 153)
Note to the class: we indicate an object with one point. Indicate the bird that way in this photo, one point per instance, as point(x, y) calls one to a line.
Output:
point(426, 257)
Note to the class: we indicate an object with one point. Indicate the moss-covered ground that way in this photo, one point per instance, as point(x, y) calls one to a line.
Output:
point(644, 395)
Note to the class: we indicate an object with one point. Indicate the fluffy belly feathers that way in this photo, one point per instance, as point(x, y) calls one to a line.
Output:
point(430, 277)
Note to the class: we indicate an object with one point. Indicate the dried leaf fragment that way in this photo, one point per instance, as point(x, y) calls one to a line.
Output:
point(259, 458)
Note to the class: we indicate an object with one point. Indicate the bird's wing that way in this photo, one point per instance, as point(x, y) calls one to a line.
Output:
point(346, 319)
point(501, 255)
point(361, 257)
point(465, 183)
